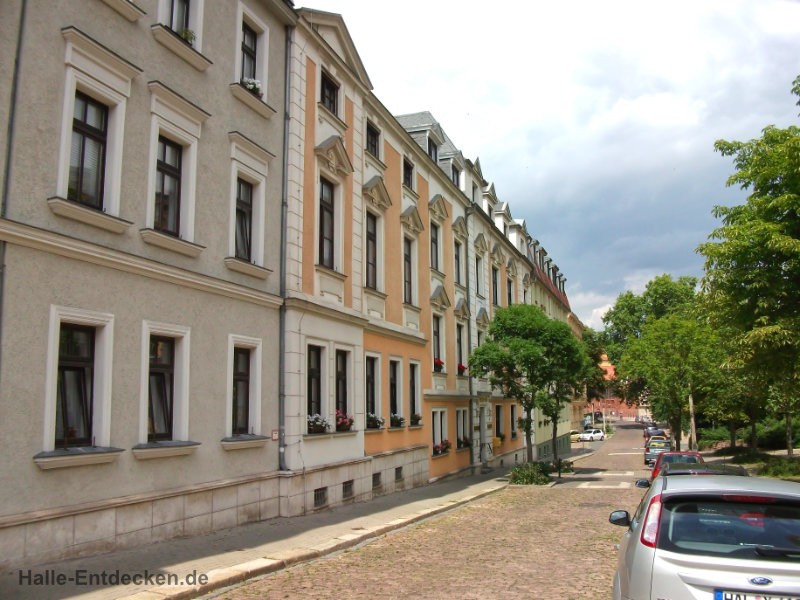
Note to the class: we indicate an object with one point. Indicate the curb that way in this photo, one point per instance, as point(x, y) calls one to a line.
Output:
point(277, 561)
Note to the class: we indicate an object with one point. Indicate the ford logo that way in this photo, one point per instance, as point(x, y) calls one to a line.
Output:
point(760, 580)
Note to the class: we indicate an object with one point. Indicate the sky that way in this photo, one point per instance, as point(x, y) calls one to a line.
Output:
point(595, 121)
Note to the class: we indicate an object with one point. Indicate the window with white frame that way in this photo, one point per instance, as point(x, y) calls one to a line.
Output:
point(185, 19)
point(509, 292)
point(414, 393)
point(455, 174)
point(373, 136)
point(514, 423)
point(433, 150)
point(372, 250)
point(396, 411)
point(372, 388)
point(478, 276)
point(342, 398)
point(243, 414)
point(462, 427)
point(175, 133)
point(329, 93)
point(495, 286)
point(78, 379)
point(458, 259)
point(249, 164)
point(327, 223)
point(439, 428)
point(437, 338)
point(164, 396)
point(409, 270)
point(460, 357)
point(498, 420)
point(435, 246)
point(314, 381)
point(408, 174)
point(97, 86)
point(252, 45)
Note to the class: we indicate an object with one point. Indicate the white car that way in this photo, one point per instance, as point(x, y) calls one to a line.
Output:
point(713, 537)
point(592, 435)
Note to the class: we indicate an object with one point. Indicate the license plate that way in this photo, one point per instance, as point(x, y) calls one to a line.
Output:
point(726, 595)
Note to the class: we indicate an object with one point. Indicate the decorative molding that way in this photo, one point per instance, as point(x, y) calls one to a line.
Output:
point(438, 208)
point(90, 56)
point(497, 255)
point(252, 101)
point(511, 268)
point(164, 449)
point(75, 457)
point(60, 245)
point(461, 310)
point(439, 299)
point(166, 102)
point(127, 9)
point(169, 242)
point(242, 442)
point(326, 115)
point(480, 244)
point(411, 221)
point(89, 216)
point(483, 318)
point(242, 266)
point(460, 229)
point(376, 193)
point(338, 313)
point(333, 156)
point(171, 40)
point(391, 330)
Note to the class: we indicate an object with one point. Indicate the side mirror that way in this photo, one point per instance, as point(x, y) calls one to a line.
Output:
point(620, 517)
point(642, 483)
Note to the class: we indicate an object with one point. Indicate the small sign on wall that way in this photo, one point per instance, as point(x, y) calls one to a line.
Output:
point(274, 435)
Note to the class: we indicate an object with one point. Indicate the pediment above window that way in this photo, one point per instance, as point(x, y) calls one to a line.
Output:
point(333, 156)
point(439, 299)
point(480, 244)
point(411, 220)
point(526, 279)
point(497, 255)
point(460, 228)
point(376, 193)
point(511, 268)
point(482, 318)
point(438, 208)
point(462, 309)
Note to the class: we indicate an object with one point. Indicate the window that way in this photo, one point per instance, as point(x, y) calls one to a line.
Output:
point(347, 489)
point(513, 420)
point(314, 381)
point(435, 247)
point(161, 388)
point(394, 405)
point(370, 385)
point(372, 251)
point(168, 187)
point(455, 174)
point(408, 174)
point(439, 420)
point(509, 292)
point(480, 337)
point(498, 420)
point(495, 286)
point(457, 256)
point(460, 345)
point(436, 342)
point(88, 151)
point(462, 427)
point(244, 218)
point(408, 286)
point(329, 93)
point(179, 16)
point(474, 193)
point(413, 392)
point(326, 223)
point(373, 140)
point(249, 52)
point(74, 393)
point(341, 381)
point(433, 150)
point(478, 278)
point(241, 391)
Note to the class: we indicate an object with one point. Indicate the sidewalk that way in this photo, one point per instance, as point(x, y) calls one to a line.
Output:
point(234, 555)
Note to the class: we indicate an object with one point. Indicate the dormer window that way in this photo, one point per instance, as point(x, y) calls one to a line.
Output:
point(408, 174)
point(455, 175)
point(329, 94)
point(433, 150)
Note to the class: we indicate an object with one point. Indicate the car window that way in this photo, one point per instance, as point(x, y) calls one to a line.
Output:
point(684, 458)
point(659, 444)
point(741, 529)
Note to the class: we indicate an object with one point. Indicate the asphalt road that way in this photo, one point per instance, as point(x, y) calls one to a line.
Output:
point(526, 542)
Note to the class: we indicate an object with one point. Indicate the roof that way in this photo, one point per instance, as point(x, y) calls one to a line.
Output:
point(731, 484)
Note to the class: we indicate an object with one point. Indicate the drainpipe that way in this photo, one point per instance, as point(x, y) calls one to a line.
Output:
point(282, 268)
point(470, 209)
point(12, 114)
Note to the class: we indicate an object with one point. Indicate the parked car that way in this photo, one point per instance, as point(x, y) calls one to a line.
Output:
point(574, 436)
point(653, 448)
point(651, 431)
point(592, 435)
point(711, 537)
point(674, 457)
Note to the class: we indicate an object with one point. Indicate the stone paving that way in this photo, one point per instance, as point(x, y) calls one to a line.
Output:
point(521, 542)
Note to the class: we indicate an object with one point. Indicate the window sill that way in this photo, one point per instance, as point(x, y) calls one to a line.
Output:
point(373, 160)
point(440, 455)
point(172, 41)
point(332, 119)
point(329, 435)
point(252, 101)
point(396, 428)
point(417, 426)
point(462, 449)
point(332, 272)
point(127, 9)
point(413, 307)
point(75, 457)
point(242, 266)
point(373, 430)
point(90, 216)
point(374, 292)
point(164, 449)
point(410, 192)
point(241, 442)
point(168, 242)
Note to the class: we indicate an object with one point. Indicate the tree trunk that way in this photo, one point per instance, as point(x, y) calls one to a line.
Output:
point(692, 429)
point(753, 436)
point(555, 443)
point(529, 435)
point(732, 430)
point(789, 436)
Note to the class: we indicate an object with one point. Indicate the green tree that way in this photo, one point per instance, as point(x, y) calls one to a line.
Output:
point(752, 262)
point(528, 353)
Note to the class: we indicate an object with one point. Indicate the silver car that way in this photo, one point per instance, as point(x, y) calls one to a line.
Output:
point(720, 537)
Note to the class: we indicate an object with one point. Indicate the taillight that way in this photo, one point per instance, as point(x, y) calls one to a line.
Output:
point(743, 498)
point(651, 522)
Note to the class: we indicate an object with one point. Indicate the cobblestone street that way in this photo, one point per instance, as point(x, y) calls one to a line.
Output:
point(522, 542)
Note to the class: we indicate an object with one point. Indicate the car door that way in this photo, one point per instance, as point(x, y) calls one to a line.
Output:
point(627, 550)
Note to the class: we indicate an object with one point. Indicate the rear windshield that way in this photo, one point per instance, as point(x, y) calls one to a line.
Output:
point(674, 458)
point(659, 444)
point(738, 528)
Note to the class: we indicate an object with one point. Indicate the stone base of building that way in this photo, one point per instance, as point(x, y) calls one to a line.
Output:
point(125, 522)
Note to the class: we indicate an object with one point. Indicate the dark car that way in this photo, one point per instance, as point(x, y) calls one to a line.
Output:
point(651, 431)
